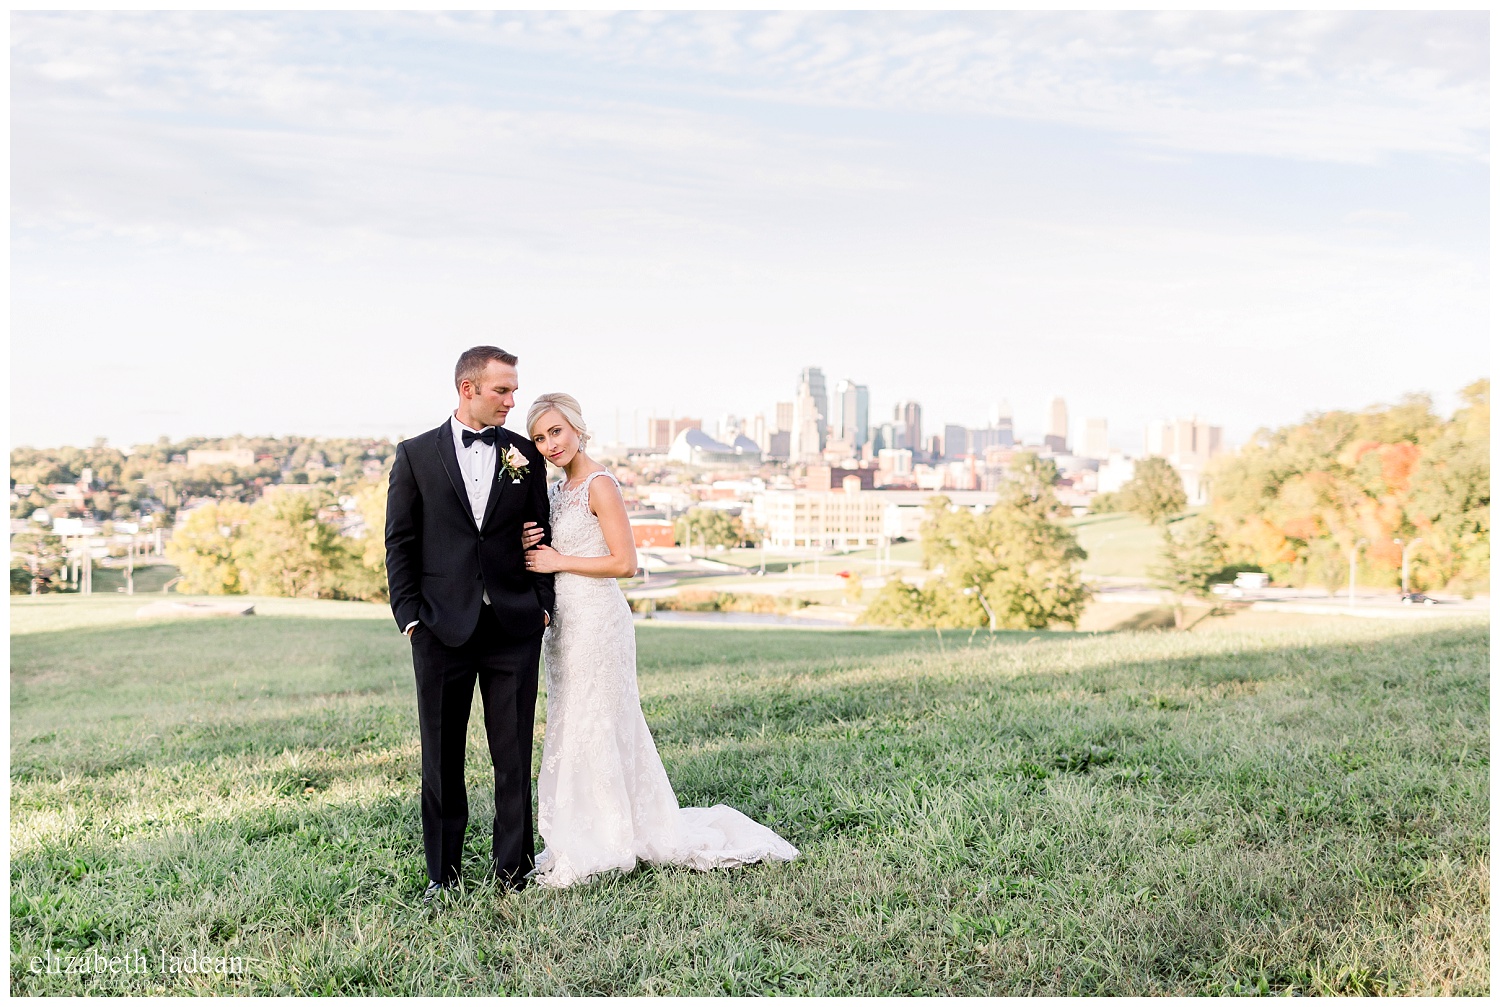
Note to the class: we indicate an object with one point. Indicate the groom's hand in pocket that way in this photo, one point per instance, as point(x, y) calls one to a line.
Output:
point(531, 535)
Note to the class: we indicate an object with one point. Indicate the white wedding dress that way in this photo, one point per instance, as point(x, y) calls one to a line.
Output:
point(603, 798)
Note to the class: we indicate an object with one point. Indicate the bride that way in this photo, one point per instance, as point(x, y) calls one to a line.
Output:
point(603, 798)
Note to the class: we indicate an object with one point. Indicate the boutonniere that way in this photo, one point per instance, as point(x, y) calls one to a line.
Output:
point(513, 464)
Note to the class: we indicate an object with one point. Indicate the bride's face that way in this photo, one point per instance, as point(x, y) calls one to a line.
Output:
point(555, 437)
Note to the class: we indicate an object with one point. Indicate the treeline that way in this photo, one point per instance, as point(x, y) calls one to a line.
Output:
point(156, 479)
point(287, 544)
point(1298, 501)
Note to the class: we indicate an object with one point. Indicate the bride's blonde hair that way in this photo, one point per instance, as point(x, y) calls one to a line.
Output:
point(563, 403)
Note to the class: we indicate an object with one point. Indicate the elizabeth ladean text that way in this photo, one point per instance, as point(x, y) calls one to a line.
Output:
point(98, 963)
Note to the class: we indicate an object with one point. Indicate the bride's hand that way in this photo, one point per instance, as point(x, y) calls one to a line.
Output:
point(543, 559)
point(531, 534)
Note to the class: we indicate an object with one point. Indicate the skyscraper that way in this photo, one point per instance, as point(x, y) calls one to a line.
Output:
point(758, 432)
point(1057, 427)
point(910, 414)
point(1096, 438)
point(811, 383)
point(1000, 419)
point(851, 413)
point(955, 441)
point(809, 419)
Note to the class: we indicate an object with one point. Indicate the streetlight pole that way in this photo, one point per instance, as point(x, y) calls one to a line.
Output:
point(983, 604)
point(1353, 559)
point(1406, 548)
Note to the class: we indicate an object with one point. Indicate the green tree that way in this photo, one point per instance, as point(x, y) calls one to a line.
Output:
point(40, 557)
point(1154, 492)
point(1012, 567)
point(365, 574)
point(1191, 554)
point(204, 548)
point(1450, 499)
point(708, 526)
point(1105, 503)
point(901, 604)
point(286, 551)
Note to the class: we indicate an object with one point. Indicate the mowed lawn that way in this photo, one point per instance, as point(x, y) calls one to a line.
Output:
point(1118, 545)
point(1291, 808)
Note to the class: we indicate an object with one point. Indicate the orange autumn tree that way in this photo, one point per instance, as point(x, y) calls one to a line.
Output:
point(1296, 501)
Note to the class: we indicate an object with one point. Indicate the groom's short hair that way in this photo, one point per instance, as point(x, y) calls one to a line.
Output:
point(473, 361)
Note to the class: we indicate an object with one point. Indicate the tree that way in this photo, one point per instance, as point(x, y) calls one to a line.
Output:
point(203, 548)
point(286, 551)
point(1105, 503)
point(1191, 554)
point(1296, 501)
point(900, 604)
point(365, 575)
point(1450, 498)
point(40, 558)
point(1154, 492)
point(1012, 567)
point(708, 526)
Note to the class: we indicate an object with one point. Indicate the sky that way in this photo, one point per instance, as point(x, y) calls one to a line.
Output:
point(294, 223)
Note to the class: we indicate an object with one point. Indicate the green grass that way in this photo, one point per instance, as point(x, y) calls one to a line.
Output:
point(1119, 545)
point(861, 561)
point(148, 579)
point(1298, 809)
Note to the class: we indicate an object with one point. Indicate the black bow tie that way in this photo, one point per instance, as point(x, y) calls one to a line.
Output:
point(487, 435)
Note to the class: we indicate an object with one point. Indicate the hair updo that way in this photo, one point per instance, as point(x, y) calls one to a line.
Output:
point(563, 403)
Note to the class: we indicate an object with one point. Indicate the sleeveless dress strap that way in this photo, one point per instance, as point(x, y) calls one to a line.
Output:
point(584, 486)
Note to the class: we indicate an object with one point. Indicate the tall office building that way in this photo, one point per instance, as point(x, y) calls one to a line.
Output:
point(890, 436)
point(1096, 438)
point(851, 413)
point(808, 426)
point(757, 432)
point(664, 432)
point(783, 417)
point(1184, 441)
point(1057, 427)
point(910, 414)
point(1003, 424)
point(955, 441)
point(811, 383)
point(981, 441)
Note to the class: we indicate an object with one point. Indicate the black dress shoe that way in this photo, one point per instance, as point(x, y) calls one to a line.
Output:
point(437, 890)
point(509, 882)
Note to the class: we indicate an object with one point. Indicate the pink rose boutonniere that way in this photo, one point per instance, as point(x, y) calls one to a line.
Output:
point(513, 464)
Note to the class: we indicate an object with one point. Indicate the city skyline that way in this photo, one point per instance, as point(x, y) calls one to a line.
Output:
point(293, 223)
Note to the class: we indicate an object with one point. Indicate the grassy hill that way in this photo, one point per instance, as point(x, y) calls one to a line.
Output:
point(1300, 809)
point(1119, 545)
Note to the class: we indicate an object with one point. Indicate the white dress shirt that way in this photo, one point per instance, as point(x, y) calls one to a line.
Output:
point(477, 464)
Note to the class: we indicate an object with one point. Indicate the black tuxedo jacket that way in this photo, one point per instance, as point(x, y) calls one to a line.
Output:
point(439, 564)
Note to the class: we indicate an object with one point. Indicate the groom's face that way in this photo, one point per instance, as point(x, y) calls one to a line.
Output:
point(495, 395)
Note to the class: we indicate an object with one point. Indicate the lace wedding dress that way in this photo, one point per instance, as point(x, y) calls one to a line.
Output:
point(603, 798)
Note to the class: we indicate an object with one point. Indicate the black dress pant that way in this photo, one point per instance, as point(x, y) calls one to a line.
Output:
point(506, 669)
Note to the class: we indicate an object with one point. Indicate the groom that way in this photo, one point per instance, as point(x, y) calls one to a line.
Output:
point(461, 592)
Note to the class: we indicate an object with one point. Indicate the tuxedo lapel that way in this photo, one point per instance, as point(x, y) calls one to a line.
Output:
point(449, 454)
point(501, 479)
